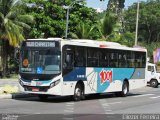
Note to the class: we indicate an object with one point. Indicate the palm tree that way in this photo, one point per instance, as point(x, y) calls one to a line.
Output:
point(107, 25)
point(83, 31)
point(12, 24)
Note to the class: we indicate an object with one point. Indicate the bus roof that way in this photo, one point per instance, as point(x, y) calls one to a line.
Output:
point(50, 39)
point(101, 44)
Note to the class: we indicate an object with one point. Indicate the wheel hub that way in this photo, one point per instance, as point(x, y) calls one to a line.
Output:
point(125, 89)
point(153, 83)
point(78, 92)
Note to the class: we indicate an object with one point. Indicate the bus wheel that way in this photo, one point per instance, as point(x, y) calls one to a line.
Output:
point(43, 97)
point(78, 93)
point(154, 83)
point(125, 90)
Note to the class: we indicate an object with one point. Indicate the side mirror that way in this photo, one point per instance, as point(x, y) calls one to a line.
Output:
point(16, 54)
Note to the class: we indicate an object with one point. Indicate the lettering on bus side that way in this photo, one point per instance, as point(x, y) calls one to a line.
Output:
point(105, 76)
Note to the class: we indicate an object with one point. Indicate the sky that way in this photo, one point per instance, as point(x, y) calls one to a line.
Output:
point(97, 4)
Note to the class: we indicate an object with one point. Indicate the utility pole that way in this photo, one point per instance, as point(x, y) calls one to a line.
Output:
point(136, 36)
point(67, 15)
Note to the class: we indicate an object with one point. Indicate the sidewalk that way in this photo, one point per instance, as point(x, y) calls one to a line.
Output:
point(12, 83)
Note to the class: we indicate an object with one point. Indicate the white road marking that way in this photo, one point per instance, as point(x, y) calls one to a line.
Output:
point(108, 110)
point(102, 100)
point(105, 104)
point(115, 103)
point(111, 113)
point(68, 110)
point(155, 97)
point(143, 95)
point(67, 118)
point(70, 103)
point(69, 107)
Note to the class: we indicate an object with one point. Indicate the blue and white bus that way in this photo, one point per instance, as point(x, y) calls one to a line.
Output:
point(79, 67)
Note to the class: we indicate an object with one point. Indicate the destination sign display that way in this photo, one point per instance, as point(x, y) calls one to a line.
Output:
point(40, 44)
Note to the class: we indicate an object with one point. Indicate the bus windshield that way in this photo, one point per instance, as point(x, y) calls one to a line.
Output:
point(39, 61)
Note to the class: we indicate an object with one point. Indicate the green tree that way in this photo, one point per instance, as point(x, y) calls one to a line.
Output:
point(83, 31)
point(81, 14)
point(12, 24)
point(107, 25)
point(50, 17)
point(149, 24)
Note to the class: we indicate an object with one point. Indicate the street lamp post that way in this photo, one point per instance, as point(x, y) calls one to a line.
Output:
point(67, 15)
point(136, 36)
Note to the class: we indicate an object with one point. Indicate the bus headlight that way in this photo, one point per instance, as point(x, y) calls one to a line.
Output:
point(54, 83)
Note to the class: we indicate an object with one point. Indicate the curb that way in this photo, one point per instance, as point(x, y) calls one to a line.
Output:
point(15, 96)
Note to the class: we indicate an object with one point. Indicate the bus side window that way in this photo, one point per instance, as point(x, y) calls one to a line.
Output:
point(92, 57)
point(139, 60)
point(113, 59)
point(80, 57)
point(69, 60)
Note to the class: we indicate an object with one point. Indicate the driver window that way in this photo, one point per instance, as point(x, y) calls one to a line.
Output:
point(69, 60)
point(68, 57)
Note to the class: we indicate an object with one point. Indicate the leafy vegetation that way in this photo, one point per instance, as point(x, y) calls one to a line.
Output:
point(12, 24)
point(50, 17)
point(149, 24)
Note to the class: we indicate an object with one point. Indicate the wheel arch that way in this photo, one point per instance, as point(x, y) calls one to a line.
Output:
point(153, 79)
point(81, 83)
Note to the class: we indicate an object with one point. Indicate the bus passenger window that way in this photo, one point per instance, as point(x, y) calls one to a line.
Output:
point(80, 57)
point(92, 57)
point(113, 59)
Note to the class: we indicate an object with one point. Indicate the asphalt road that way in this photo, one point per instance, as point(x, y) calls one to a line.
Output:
point(141, 101)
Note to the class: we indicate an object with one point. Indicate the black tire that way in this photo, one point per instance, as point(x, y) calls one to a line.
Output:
point(125, 90)
point(154, 83)
point(83, 95)
point(43, 97)
point(78, 93)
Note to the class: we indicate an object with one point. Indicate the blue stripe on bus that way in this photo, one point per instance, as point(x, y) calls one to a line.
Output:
point(79, 73)
point(122, 73)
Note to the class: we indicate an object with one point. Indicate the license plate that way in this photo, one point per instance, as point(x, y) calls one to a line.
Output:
point(35, 89)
